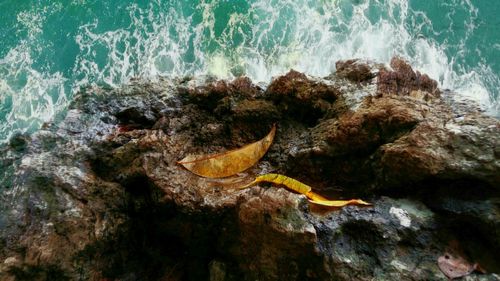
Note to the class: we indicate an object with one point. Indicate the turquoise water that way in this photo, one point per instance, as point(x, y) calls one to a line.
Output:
point(50, 49)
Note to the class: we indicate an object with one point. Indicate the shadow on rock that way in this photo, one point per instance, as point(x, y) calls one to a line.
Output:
point(99, 196)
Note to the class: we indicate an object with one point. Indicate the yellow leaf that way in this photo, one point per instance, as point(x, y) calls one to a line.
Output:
point(231, 162)
point(339, 203)
point(278, 179)
point(315, 197)
point(305, 189)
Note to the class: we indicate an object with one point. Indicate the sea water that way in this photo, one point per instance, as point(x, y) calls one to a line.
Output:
point(49, 49)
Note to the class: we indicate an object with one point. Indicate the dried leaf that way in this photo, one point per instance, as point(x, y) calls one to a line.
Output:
point(305, 189)
point(455, 266)
point(316, 197)
point(320, 200)
point(231, 162)
point(338, 203)
point(279, 179)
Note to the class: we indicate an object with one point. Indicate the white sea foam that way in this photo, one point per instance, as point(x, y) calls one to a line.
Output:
point(27, 96)
point(273, 37)
point(264, 39)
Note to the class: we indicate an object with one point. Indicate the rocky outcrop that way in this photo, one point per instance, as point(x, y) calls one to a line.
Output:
point(98, 195)
point(356, 70)
point(302, 98)
point(402, 80)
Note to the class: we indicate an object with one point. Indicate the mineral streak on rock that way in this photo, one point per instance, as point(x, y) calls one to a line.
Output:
point(97, 195)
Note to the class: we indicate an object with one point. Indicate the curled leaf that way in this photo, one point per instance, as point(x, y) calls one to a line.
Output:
point(316, 197)
point(305, 189)
point(340, 203)
point(231, 162)
point(290, 183)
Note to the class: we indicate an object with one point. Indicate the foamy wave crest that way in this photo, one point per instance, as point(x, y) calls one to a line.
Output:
point(28, 98)
point(153, 44)
point(265, 38)
point(257, 38)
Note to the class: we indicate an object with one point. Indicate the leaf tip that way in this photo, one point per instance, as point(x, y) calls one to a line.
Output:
point(361, 202)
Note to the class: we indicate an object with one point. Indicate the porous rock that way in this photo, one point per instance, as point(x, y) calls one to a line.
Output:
point(98, 195)
point(403, 80)
point(303, 98)
point(355, 70)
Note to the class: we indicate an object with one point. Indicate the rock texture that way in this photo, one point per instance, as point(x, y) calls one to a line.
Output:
point(402, 80)
point(97, 194)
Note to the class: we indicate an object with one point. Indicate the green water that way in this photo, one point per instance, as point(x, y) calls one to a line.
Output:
point(49, 49)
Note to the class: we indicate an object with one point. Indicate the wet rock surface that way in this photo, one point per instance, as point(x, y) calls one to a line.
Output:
point(98, 195)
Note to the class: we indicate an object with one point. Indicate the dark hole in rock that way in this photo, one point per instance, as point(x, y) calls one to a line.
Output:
point(432, 189)
point(143, 247)
point(341, 177)
point(477, 240)
point(19, 142)
point(136, 118)
point(466, 211)
point(160, 242)
point(362, 239)
point(366, 235)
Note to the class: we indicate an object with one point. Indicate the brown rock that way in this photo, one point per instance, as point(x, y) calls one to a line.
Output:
point(377, 121)
point(256, 110)
point(207, 96)
point(101, 196)
point(301, 97)
point(400, 141)
point(354, 70)
point(402, 80)
point(443, 148)
point(245, 87)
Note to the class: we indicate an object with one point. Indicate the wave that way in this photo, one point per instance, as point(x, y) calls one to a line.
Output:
point(28, 97)
point(260, 39)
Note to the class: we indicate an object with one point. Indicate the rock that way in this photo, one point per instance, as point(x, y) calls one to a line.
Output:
point(208, 95)
point(355, 70)
point(303, 98)
point(402, 80)
point(97, 195)
point(421, 154)
point(378, 121)
point(400, 141)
